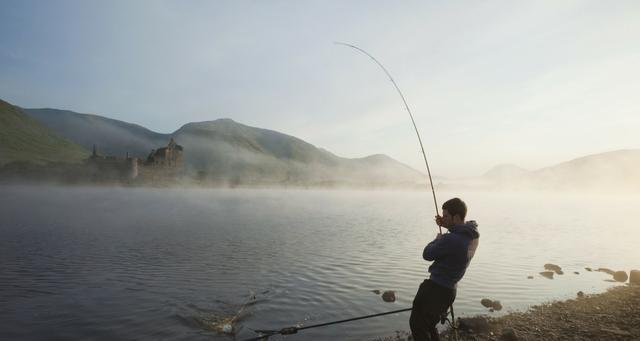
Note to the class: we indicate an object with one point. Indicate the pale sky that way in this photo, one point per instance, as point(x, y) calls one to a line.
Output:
point(489, 82)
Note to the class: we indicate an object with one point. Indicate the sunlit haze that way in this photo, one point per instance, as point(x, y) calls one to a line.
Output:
point(527, 83)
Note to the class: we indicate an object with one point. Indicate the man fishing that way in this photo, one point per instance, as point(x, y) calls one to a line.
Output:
point(451, 253)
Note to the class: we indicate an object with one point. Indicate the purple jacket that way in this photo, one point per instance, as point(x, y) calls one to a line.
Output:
point(452, 253)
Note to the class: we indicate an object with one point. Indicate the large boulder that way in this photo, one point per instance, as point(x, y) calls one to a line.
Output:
point(634, 277)
point(620, 276)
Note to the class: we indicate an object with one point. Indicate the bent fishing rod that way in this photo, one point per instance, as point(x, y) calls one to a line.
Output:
point(406, 106)
point(293, 330)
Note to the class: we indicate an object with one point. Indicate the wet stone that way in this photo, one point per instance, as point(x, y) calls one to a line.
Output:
point(487, 303)
point(389, 296)
point(376, 291)
point(588, 269)
point(576, 272)
point(496, 305)
point(530, 277)
point(580, 294)
point(547, 274)
point(620, 276)
point(606, 270)
point(554, 268)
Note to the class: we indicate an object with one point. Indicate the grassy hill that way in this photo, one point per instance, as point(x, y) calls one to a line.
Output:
point(227, 151)
point(23, 138)
point(112, 137)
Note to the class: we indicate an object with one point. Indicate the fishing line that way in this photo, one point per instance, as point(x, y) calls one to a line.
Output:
point(293, 330)
point(433, 191)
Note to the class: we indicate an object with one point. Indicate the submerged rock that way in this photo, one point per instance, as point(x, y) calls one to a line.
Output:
point(530, 277)
point(606, 270)
point(588, 269)
point(576, 272)
point(487, 303)
point(389, 296)
point(634, 277)
point(620, 276)
point(547, 274)
point(554, 268)
point(376, 291)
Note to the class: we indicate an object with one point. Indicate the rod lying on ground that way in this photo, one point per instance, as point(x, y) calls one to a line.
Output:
point(294, 330)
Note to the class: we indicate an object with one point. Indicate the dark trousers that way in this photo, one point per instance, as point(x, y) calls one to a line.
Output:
point(431, 301)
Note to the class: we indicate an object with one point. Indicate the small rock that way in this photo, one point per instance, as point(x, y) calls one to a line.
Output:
point(389, 296)
point(496, 305)
point(554, 268)
point(576, 272)
point(487, 303)
point(547, 274)
point(377, 292)
point(606, 270)
point(508, 334)
point(620, 276)
point(227, 329)
point(491, 310)
point(634, 276)
point(530, 277)
point(580, 294)
point(588, 269)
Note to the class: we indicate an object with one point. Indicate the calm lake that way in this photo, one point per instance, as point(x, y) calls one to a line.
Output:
point(148, 264)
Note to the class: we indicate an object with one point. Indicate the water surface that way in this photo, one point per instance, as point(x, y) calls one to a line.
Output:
point(147, 264)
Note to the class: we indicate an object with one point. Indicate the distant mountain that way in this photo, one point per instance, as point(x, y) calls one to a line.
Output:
point(112, 137)
point(23, 138)
point(615, 171)
point(228, 152)
point(505, 172)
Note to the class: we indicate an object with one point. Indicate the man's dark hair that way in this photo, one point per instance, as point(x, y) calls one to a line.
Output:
point(456, 206)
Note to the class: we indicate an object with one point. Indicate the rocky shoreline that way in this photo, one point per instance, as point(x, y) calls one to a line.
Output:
point(612, 315)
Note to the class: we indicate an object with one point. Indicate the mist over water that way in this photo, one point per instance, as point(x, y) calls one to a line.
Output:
point(107, 263)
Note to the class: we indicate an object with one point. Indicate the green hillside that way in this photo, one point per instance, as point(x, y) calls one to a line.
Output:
point(22, 138)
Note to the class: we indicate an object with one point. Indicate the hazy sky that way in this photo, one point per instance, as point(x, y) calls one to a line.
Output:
point(489, 82)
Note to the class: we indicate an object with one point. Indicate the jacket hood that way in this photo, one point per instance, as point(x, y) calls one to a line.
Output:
point(470, 228)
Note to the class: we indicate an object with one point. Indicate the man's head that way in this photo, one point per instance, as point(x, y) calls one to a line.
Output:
point(453, 212)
